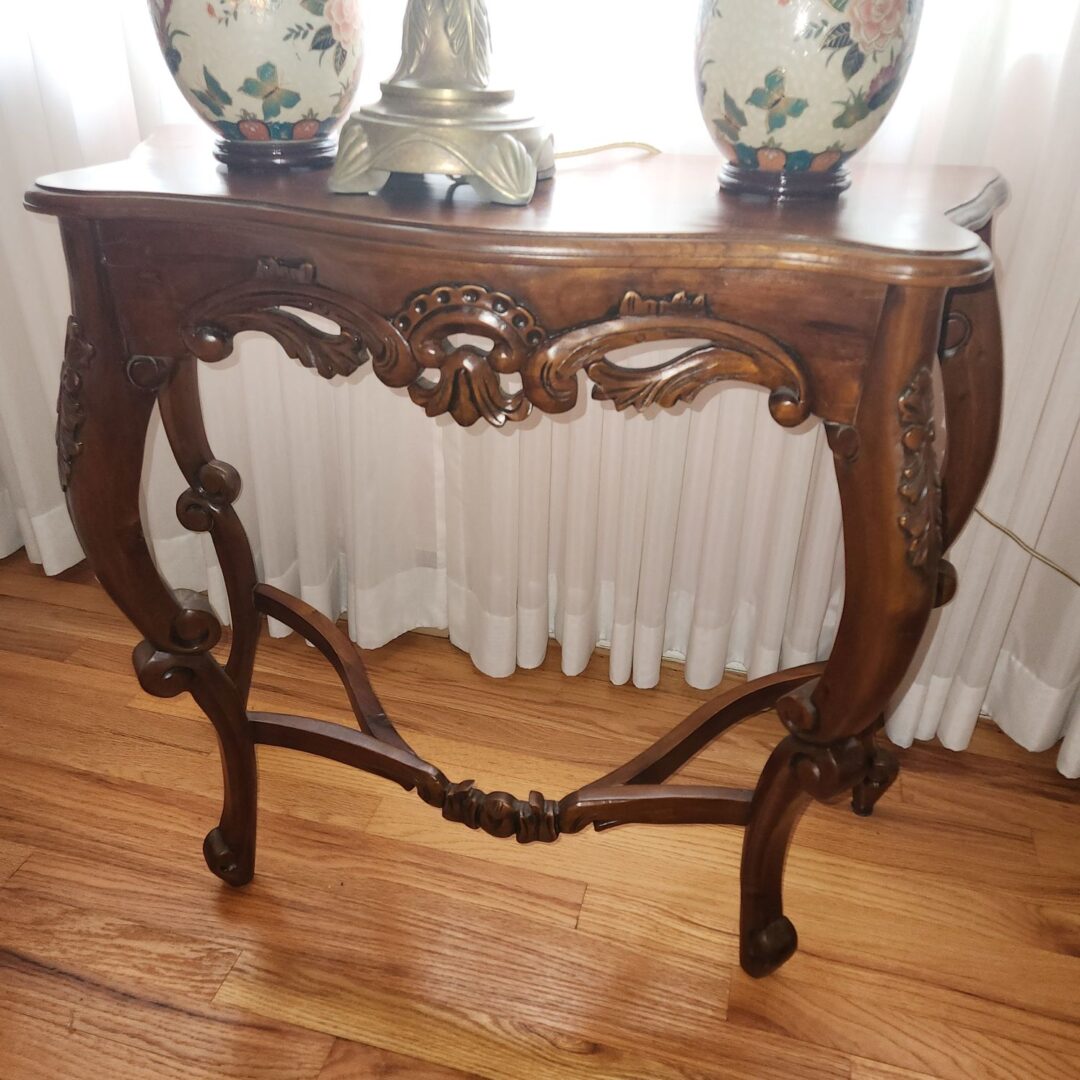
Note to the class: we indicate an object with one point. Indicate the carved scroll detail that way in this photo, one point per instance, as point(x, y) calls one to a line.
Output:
point(956, 334)
point(70, 411)
point(150, 372)
point(199, 508)
point(920, 517)
point(209, 328)
point(829, 770)
point(733, 352)
point(420, 347)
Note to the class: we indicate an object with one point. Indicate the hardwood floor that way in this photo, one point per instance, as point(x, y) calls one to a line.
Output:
point(940, 938)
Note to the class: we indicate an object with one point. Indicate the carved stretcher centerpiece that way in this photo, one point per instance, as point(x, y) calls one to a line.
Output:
point(839, 313)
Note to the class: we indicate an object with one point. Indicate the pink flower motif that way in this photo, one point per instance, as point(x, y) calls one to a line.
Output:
point(874, 23)
point(344, 16)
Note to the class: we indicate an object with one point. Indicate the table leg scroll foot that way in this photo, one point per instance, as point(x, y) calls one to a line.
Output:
point(767, 937)
point(796, 773)
point(762, 951)
point(884, 769)
point(234, 867)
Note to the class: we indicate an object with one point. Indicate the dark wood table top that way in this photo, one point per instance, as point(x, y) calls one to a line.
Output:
point(896, 223)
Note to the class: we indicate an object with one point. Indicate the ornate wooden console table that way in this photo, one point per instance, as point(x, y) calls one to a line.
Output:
point(841, 310)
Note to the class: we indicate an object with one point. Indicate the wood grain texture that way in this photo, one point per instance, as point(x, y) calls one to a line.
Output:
point(375, 942)
point(574, 217)
point(352, 1061)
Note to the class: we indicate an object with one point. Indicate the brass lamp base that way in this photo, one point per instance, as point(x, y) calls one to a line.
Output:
point(469, 133)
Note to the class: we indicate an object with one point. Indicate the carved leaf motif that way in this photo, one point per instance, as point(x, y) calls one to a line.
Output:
point(328, 354)
point(70, 412)
point(469, 32)
point(665, 384)
point(920, 517)
point(468, 389)
point(414, 37)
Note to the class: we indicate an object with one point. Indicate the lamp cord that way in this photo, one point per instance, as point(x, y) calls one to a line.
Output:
point(1037, 555)
point(647, 147)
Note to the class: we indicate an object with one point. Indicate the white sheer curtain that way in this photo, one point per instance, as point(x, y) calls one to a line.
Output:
point(709, 534)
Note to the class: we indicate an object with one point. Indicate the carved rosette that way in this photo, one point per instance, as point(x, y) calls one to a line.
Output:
point(70, 411)
point(467, 385)
point(425, 347)
point(919, 490)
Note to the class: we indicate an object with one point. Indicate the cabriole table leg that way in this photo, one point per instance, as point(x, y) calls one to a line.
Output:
point(106, 399)
point(887, 474)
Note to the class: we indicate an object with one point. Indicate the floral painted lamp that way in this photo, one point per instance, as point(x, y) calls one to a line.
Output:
point(273, 78)
point(437, 114)
point(790, 89)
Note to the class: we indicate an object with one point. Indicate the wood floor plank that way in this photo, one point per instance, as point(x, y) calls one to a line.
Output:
point(430, 955)
point(1010, 974)
point(689, 927)
point(110, 949)
point(103, 737)
point(940, 940)
point(32, 615)
point(358, 1061)
point(1061, 928)
point(52, 1017)
point(969, 792)
point(907, 1022)
point(75, 595)
point(12, 856)
point(36, 1049)
point(1058, 851)
point(163, 833)
point(864, 1069)
point(485, 1033)
point(690, 865)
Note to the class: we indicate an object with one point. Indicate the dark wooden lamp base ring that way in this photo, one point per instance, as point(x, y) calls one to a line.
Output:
point(780, 186)
point(276, 155)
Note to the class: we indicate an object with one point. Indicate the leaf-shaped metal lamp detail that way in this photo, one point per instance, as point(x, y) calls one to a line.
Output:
point(469, 32)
